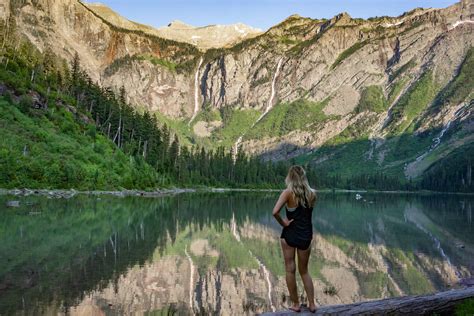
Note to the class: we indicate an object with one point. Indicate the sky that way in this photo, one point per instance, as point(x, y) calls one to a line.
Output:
point(257, 13)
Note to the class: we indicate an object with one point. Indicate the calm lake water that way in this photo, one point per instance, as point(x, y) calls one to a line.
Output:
point(219, 252)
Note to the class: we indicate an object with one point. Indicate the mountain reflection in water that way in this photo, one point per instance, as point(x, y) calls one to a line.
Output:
point(220, 253)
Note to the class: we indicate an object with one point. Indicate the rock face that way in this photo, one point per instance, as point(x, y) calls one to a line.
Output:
point(108, 52)
point(326, 61)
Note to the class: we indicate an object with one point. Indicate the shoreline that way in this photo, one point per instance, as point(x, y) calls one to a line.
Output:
point(68, 193)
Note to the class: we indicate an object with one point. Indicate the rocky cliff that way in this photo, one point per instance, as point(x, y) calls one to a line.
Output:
point(304, 89)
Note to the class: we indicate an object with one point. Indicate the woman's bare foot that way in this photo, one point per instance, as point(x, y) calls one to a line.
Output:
point(312, 308)
point(295, 307)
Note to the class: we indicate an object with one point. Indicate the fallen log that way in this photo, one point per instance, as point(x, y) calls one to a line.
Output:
point(440, 303)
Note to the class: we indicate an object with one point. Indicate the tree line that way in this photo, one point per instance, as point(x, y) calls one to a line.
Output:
point(142, 137)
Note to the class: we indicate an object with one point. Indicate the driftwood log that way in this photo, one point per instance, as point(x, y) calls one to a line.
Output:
point(440, 303)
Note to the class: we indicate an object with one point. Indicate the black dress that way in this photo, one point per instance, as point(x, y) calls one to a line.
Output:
point(300, 231)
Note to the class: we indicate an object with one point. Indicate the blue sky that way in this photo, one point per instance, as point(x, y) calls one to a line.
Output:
point(257, 13)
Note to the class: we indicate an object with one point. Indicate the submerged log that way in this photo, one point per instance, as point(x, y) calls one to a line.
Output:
point(442, 303)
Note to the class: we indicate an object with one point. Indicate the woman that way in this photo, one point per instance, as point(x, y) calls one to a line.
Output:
point(297, 232)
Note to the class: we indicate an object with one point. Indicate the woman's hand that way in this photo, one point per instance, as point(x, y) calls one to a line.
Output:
point(287, 222)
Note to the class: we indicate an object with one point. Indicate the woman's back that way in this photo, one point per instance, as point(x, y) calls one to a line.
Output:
point(292, 200)
point(301, 227)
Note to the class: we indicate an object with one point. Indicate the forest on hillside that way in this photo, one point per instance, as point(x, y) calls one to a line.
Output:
point(62, 130)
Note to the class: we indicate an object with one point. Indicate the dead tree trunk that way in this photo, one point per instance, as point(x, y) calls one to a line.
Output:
point(442, 302)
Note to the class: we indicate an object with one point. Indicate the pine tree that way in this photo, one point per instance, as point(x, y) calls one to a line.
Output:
point(75, 74)
point(123, 95)
point(174, 151)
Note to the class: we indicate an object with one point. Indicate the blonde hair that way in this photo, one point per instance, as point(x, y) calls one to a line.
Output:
point(298, 184)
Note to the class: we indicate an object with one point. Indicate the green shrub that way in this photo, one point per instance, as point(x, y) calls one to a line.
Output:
point(348, 52)
point(461, 87)
point(25, 103)
point(412, 103)
point(465, 308)
point(8, 96)
point(372, 99)
point(402, 69)
point(92, 132)
point(61, 160)
point(396, 89)
point(286, 117)
point(235, 122)
point(330, 290)
point(208, 114)
point(68, 127)
point(159, 61)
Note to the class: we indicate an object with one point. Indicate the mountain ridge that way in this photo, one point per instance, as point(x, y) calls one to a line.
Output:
point(295, 91)
point(203, 37)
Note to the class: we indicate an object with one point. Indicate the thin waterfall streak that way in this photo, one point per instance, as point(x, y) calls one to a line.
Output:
point(266, 273)
point(458, 115)
point(267, 279)
point(273, 91)
point(438, 247)
point(191, 277)
point(233, 225)
point(196, 91)
point(267, 108)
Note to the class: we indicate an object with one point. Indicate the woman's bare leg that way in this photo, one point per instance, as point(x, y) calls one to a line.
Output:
point(303, 258)
point(290, 267)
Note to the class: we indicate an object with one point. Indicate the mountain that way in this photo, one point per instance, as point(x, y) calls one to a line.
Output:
point(212, 36)
point(349, 96)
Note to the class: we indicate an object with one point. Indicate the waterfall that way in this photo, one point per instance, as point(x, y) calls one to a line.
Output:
point(273, 92)
point(436, 142)
point(237, 143)
point(267, 108)
point(460, 113)
point(191, 278)
point(266, 273)
point(435, 240)
point(233, 225)
point(196, 91)
point(267, 278)
point(437, 245)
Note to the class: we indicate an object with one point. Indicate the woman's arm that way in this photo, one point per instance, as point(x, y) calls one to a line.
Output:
point(276, 209)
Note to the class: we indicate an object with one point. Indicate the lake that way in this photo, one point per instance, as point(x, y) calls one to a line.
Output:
point(219, 252)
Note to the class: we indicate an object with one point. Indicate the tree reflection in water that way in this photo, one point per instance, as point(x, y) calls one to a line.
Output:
point(122, 255)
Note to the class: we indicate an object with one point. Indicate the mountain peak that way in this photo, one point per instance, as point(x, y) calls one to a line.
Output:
point(177, 24)
point(343, 16)
point(211, 36)
point(95, 4)
point(294, 16)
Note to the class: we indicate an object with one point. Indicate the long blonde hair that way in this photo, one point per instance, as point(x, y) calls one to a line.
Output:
point(297, 182)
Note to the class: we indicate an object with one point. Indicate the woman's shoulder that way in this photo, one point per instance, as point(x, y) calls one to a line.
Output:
point(288, 195)
point(313, 196)
point(286, 192)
